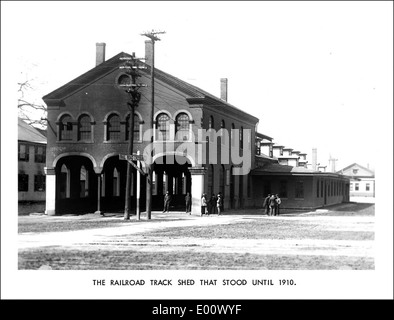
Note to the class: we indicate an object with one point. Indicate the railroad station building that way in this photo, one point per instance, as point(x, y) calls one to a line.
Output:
point(201, 143)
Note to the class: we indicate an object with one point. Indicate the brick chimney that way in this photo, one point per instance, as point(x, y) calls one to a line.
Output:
point(148, 52)
point(223, 89)
point(100, 53)
point(314, 159)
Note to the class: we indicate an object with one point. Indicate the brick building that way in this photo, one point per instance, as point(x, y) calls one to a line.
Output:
point(88, 130)
point(214, 144)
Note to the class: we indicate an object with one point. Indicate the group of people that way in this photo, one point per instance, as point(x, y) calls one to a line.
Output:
point(215, 204)
point(212, 205)
point(168, 199)
point(272, 204)
point(208, 206)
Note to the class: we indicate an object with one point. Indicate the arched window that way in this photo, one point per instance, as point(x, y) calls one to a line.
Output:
point(136, 127)
point(182, 126)
point(232, 134)
point(211, 122)
point(163, 126)
point(211, 126)
point(84, 128)
point(66, 128)
point(124, 80)
point(113, 128)
point(223, 133)
point(84, 183)
point(241, 137)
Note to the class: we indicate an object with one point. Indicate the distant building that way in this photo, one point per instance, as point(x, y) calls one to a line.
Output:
point(362, 180)
point(298, 187)
point(31, 163)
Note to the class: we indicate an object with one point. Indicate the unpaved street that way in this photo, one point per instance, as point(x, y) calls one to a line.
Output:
point(181, 237)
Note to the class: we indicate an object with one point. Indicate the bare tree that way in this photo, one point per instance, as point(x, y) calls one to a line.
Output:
point(33, 113)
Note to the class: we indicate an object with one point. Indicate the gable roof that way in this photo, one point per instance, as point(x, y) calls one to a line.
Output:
point(358, 166)
point(26, 132)
point(194, 95)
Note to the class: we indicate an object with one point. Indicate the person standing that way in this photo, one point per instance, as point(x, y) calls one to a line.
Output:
point(167, 201)
point(222, 201)
point(278, 202)
point(266, 204)
point(219, 204)
point(212, 203)
point(188, 201)
point(203, 204)
point(272, 205)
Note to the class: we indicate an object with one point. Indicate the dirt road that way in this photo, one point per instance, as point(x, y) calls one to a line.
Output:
point(165, 236)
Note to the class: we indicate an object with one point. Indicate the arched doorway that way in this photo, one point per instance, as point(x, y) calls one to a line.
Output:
point(171, 174)
point(114, 175)
point(76, 186)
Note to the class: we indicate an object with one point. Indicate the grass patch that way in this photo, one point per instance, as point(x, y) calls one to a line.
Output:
point(264, 229)
point(59, 259)
point(63, 224)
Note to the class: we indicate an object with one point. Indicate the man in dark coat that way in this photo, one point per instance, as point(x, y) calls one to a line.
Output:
point(266, 204)
point(167, 201)
point(188, 201)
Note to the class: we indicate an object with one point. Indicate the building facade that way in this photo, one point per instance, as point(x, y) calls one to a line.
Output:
point(88, 125)
point(362, 180)
point(31, 163)
point(199, 144)
point(297, 186)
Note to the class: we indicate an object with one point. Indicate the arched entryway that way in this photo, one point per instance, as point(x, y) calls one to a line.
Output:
point(170, 174)
point(76, 185)
point(113, 186)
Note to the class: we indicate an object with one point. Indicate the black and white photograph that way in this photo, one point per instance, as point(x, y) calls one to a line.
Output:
point(197, 150)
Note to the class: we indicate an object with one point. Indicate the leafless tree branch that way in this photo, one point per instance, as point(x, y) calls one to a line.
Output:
point(32, 113)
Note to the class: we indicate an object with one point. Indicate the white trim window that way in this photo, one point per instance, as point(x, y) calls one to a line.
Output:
point(182, 127)
point(163, 127)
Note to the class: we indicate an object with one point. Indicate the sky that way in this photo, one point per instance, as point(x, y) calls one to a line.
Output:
point(316, 74)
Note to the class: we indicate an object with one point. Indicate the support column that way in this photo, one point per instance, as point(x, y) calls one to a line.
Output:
point(138, 192)
point(50, 201)
point(98, 211)
point(197, 181)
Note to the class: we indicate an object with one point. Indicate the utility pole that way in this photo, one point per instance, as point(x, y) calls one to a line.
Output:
point(132, 90)
point(152, 36)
